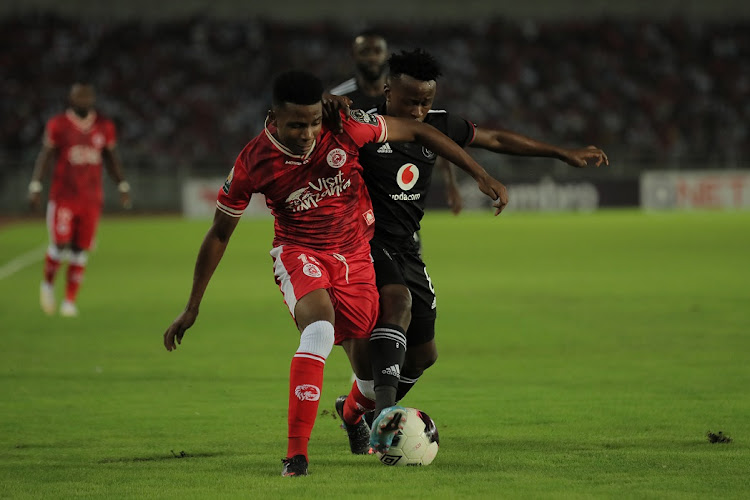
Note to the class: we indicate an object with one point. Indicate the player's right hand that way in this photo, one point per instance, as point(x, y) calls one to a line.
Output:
point(178, 327)
point(333, 105)
point(495, 190)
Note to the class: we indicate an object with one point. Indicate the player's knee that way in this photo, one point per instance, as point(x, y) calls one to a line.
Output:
point(395, 305)
point(317, 338)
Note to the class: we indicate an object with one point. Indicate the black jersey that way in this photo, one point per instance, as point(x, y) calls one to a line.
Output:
point(398, 175)
point(360, 100)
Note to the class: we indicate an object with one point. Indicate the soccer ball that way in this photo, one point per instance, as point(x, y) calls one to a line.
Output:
point(416, 444)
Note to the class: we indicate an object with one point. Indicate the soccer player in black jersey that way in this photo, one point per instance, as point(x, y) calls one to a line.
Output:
point(366, 87)
point(398, 177)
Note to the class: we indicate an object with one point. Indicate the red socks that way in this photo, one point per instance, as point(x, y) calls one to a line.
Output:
point(356, 405)
point(305, 384)
point(75, 277)
point(50, 268)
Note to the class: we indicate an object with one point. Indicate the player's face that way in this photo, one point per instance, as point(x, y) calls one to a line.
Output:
point(407, 97)
point(82, 99)
point(370, 54)
point(297, 125)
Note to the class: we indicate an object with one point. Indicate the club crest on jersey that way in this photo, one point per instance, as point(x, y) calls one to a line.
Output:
point(98, 141)
point(228, 182)
point(336, 158)
point(407, 176)
point(363, 117)
point(311, 270)
point(307, 392)
point(427, 153)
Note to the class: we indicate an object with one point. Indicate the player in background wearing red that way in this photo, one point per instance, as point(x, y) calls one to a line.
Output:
point(365, 89)
point(323, 222)
point(79, 141)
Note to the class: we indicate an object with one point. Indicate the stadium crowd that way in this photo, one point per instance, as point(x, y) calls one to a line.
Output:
point(191, 92)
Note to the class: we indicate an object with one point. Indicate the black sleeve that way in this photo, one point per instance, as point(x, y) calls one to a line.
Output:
point(461, 131)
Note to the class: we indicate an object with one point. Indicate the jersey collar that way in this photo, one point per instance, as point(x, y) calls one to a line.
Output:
point(82, 124)
point(283, 148)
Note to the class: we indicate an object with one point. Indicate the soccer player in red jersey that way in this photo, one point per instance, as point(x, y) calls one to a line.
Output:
point(79, 141)
point(323, 222)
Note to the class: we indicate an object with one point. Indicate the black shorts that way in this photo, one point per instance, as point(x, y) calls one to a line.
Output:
point(404, 266)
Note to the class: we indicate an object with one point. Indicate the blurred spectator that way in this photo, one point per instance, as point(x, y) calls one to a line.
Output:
point(190, 93)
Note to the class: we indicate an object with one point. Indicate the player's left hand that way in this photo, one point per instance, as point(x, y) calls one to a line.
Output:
point(177, 329)
point(495, 190)
point(332, 107)
point(580, 157)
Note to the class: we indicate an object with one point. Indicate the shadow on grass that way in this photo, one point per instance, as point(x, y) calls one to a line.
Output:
point(157, 458)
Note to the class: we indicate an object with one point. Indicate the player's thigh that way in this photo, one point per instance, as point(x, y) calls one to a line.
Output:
point(86, 224)
point(423, 299)
point(355, 298)
point(299, 273)
point(60, 222)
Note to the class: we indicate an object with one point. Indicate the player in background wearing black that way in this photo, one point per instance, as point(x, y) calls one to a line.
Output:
point(398, 176)
point(370, 53)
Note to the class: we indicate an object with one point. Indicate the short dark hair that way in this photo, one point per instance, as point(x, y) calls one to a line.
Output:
point(417, 63)
point(297, 87)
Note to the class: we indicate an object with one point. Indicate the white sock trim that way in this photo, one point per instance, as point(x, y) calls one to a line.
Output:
point(316, 341)
point(366, 387)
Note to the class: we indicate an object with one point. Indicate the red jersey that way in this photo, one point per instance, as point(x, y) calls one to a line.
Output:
point(319, 199)
point(79, 143)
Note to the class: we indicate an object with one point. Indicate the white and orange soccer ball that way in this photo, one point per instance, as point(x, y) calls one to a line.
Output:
point(416, 444)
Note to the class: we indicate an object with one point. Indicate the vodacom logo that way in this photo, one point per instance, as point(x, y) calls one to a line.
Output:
point(407, 176)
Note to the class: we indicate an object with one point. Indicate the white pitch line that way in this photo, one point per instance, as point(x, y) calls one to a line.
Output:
point(22, 261)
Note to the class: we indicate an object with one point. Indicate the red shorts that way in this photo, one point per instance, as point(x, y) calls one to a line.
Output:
point(72, 223)
point(349, 279)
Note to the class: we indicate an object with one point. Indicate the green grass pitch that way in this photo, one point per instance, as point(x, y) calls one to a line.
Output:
point(581, 356)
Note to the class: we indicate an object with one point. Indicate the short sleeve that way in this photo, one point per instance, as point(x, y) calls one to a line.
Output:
point(365, 127)
point(460, 130)
point(52, 133)
point(234, 195)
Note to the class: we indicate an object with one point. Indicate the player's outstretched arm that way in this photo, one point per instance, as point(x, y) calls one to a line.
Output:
point(113, 164)
point(41, 166)
point(452, 193)
point(511, 143)
point(210, 254)
point(400, 129)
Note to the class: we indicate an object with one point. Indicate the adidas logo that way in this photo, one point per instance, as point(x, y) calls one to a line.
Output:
point(385, 148)
point(393, 371)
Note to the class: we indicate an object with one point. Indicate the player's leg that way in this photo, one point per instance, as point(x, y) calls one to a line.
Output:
point(388, 339)
point(361, 398)
point(60, 229)
point(356, 303)
point(315, 319)
point(422, 353)
point(304, 282)
point(85, 223)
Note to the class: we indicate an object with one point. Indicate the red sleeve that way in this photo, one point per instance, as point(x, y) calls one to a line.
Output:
point(364, 127)
point(52, 133)
point(110, 134)
point(234, 195)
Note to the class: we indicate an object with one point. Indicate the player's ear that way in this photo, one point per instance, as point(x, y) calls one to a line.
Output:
point(387, 92)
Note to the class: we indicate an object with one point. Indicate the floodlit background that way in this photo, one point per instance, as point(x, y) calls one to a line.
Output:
point(660, 86)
